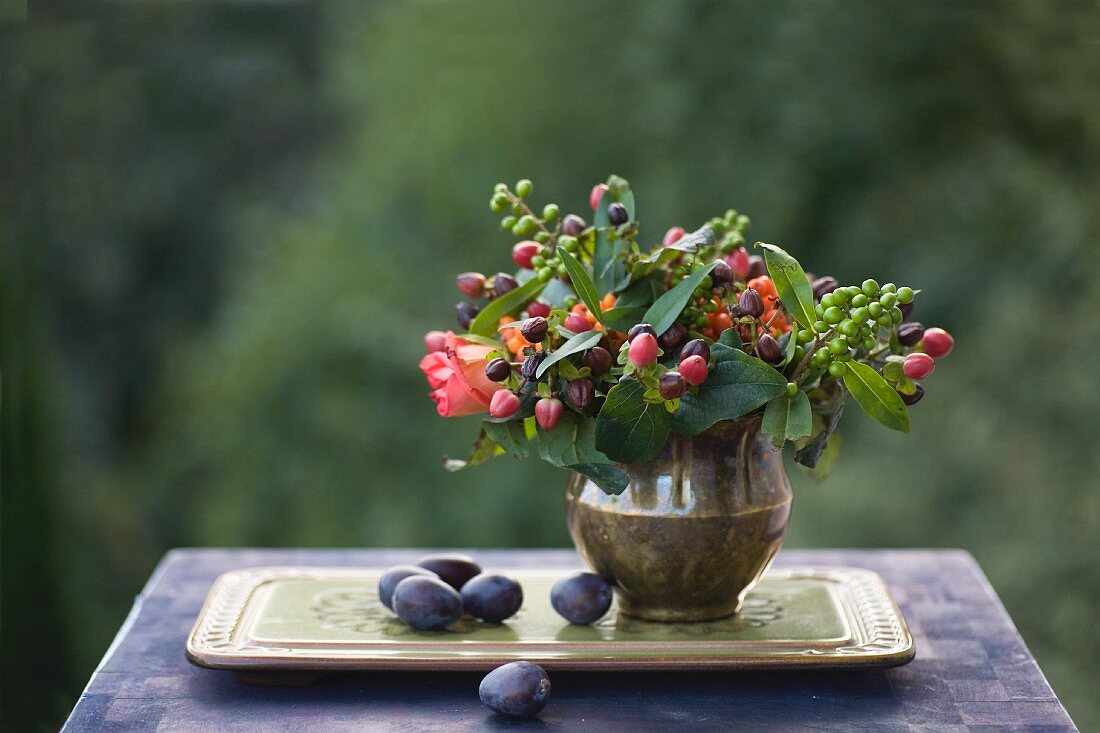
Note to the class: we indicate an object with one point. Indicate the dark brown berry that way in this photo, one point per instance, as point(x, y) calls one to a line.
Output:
point(722, 274)
point(757, 267)
point(531, 365)
point(673, 337)
point(672, 385)
point(498, 370)
point(912, 399)
point(617, 214)
point(909, 334)
point(750, 304)
point(598, 359)
point(767, 348)
point(466, 313)
point(503, 283)
point(581, 392)
point(638, 329)
point(824, 286)
point(906, 310)
point(534, 329)
point(695, 347)
point(572, 225)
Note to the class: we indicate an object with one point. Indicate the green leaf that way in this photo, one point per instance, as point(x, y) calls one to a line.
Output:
point(737, 385)
point(611, 479)
point(794, 289)
point(826, 460)
point(510, 436)
point(621, 319)
point(877, 398)
point(787, 418)
point(582, 282)
point(486, 322)
point(629, 429)
point(809, 454)
point(687, 244)
point(608, 267)
point(575, 344)
point(484, 449)
point(641, 293)
point(732, 338)
point(664, 312)
point(571, 442)
point(789, 346)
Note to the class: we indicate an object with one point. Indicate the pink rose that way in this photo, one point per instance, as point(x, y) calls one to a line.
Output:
point(457, 374)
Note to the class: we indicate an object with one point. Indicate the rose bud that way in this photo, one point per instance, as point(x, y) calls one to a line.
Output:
point(581, 392)
point(548, 411)
point(824, 285)
point(738, 260)
point(694, 369)
point(767, 348)
point(472, 284)
point(750, 304)
point(909, 334)
point(577, 323)
point(531, 365)
point(572, 225)
point(643, 349)
point(672, 236)
point(503, 404)
point(640, 329)
point(757, 267)
point(918, 366)
point(538, 308)
point(617, 214)
point(466, 313)
point(673, 337)
point(696, 347)
point(598, 359)
point(596, 195)
point(912, 399)
point(722, 274)
point(522, 253)
point(435, 341)
point(503, 283)
point(672, 385)
point(938, 342)
point(906, 310)
point(534, 329)
point(498, 370)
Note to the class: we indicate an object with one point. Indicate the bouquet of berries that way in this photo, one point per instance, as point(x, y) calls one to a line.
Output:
point(598, 349)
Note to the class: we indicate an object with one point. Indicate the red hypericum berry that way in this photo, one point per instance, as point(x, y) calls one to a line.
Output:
point(909, 334)
point(596, 195)
point(673, 337)
point(824, 286)
point(538, 308)
point(576, 323)
point(722, 274)
point(598, 359)
point(643, 349)
point(750, 303)
point(696, 347)
point(738, 260)
point(638, 329)
point(466, 313)
point(912, 399)
point(767, 348)
point(472, 284)
point(757, 267)
point(938, 342)
point(503, 404)
point(534, 329)
point(435, 340)
point(672, 236)
point(918, 366)
point(581, 392)
point(503, 283)
point(671, 385)
point(573, 225)
point(548, 411)
point(694, 370)
point(617, 214)
point(498, 370)
point(522, 253)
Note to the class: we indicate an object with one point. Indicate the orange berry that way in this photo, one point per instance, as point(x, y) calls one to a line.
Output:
point(608, 302)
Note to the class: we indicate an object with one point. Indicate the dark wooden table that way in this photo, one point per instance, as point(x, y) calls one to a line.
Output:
point(972, 671)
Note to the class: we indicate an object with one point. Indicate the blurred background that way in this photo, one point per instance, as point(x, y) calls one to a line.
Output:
point(227, 226)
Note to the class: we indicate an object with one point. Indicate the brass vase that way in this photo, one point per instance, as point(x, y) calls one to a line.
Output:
point(696, 528)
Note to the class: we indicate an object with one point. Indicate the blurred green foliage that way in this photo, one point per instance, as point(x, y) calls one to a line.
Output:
point(239, 220)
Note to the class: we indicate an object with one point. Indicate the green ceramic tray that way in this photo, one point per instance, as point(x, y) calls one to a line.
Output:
point(329, 619)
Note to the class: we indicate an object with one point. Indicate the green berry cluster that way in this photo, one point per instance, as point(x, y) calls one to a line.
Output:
point(729, 231)
point(850, 320)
